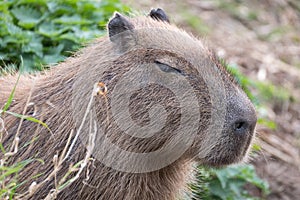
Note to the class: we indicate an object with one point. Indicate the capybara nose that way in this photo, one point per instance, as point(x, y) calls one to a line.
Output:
point(243, 126)
point(240, 127)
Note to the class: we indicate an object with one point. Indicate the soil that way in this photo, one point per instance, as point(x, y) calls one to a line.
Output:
point(261, 37)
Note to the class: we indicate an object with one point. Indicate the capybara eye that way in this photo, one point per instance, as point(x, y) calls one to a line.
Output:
point(167, 68)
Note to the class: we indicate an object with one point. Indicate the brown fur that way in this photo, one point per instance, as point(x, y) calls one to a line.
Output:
point(51, 101)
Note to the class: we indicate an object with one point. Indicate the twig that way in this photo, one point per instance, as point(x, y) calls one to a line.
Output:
point(94, 93)
point(15, 150)
point(57, 165)
point(2, 129)
point(91, 144)
point(14, 147)
point(34, 186)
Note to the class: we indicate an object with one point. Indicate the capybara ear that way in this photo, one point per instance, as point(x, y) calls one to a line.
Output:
point(119, 26)
point(159, 15)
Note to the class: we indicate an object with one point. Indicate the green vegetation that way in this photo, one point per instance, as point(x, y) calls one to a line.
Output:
point(45, 32)
point(9, 187)
point(195, 22)
point(228, 183)
point(238, 10)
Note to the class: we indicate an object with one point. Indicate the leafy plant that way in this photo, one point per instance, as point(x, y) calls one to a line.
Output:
point(45, 32)
point(228, 183)
point(11, 173)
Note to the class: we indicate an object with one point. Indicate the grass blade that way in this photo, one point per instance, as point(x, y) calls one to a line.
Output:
point(32, 119)
point(11, 96)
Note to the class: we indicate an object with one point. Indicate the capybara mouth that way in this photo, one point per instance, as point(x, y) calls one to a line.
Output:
point(234, 150)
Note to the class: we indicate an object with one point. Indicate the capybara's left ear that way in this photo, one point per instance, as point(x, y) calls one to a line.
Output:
point(118, 25)
point(159, 14)
point(121, 32)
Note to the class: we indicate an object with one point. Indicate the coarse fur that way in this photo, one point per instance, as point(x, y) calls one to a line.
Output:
point(50, 96)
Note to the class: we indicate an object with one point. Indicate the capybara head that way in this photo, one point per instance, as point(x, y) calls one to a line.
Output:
point(168, 97)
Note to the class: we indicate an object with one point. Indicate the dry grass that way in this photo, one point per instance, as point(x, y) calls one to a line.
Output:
point(9, 180)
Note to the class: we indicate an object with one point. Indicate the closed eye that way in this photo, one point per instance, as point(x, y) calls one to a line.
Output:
point(167, 68)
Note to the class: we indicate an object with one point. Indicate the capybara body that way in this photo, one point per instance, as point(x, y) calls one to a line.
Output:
point(61, 98)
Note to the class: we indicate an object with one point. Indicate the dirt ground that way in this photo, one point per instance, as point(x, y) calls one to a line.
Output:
point(263, 39)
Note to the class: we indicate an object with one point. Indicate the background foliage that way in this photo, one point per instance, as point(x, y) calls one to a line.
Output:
point(45, 32)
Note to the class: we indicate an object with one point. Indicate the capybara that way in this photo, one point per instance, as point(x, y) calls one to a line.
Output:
point(126, 118)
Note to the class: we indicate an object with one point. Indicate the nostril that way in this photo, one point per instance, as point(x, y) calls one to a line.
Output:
point(240, 127)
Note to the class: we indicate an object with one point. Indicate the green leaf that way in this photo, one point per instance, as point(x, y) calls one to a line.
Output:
point(6, 171)
point(217, 190)
point(28, 17)
point(3, 56)
point(28, 62)
point(54, 54)
point(2, 148)
point(32, 119)
point(34, 46)
point(13, 29)
point(236, 187)
point(53, 59)
point(10, 98)
point(69, 36)
point(72, 20)
point(55, 49)
point(85, 35)
point(8, 39)
point(51, 30)
point(61, 8)
point(52, 6)
point(222, 176)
